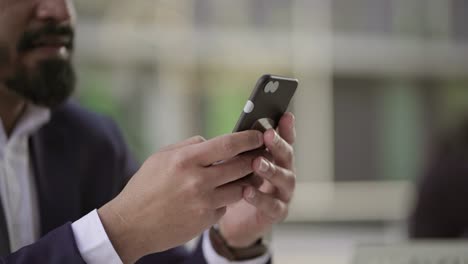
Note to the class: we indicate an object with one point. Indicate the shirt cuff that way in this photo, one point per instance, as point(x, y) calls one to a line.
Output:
point(212, 257)
point(92, 241)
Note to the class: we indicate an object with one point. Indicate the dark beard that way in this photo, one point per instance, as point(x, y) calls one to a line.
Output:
point(49, 85)
point(51, 81)
point(4, 56)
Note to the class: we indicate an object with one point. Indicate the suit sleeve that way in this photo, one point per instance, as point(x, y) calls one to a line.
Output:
point(56, 247)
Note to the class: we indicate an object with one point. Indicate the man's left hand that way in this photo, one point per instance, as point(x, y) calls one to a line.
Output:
point(251, 218)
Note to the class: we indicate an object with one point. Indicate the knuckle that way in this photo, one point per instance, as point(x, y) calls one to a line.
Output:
point(292, 185)
point(198, 139)
point(179, 160)
point(253, 137)
point(203, 212)
point(196, 193)
point(287, 198)
point(190, 187)
point(276, 209)
point(245, 164)
point(289, 159)
point(195, 185)
point(273, 170)
point(289, 153)
point(228, 145)
point(291, 149)
point(291, 181)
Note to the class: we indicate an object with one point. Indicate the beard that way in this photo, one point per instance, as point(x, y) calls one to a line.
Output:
point(3, 55)
point(49, 85)
point(51, 81)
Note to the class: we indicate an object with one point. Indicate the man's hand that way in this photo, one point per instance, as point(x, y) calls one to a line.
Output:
point(251, 218)
point(177, 194)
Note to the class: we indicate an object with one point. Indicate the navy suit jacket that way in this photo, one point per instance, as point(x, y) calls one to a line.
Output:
point(80, 162)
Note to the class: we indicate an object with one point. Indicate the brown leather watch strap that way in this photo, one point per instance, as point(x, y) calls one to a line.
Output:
point(233, 254)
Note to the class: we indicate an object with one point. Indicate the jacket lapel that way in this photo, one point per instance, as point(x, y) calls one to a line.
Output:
point(56, 182)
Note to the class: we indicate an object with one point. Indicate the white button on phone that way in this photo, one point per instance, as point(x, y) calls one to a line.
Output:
point(249, 107)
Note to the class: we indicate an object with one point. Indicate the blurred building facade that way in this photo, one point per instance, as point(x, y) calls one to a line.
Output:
point(379, 78)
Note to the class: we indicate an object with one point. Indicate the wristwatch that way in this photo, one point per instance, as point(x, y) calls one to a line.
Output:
point(221, 247)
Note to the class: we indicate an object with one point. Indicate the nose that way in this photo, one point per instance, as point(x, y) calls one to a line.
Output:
point(55, 10)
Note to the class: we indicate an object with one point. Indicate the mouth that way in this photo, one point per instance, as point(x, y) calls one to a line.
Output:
point(51, 46)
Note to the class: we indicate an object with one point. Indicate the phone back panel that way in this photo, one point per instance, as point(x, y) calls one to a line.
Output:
point(270, 99)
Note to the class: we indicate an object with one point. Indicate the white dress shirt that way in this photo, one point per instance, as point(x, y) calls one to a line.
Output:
point(19, 198)
point(17, 186)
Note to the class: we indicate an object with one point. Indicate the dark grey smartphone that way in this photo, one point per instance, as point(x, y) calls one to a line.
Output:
point(267, 103)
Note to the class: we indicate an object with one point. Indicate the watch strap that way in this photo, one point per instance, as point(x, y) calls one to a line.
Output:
point(231, 253)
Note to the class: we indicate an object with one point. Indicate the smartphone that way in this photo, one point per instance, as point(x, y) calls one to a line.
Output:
point(267, 103)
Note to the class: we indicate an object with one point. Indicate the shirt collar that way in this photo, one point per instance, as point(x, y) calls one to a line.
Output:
point(30, 121)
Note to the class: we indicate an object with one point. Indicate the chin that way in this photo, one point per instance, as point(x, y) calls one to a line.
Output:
point(49, 83)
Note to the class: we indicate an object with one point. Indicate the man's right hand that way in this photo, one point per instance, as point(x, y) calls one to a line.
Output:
point(178, 193)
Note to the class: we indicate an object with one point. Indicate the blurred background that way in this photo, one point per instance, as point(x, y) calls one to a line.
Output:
point(378, 80)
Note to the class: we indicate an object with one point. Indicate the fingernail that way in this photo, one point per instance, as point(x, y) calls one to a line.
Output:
point(276, 138)
point(263, 166)
point(250, 193)
point(260, 138)
point(293, 119)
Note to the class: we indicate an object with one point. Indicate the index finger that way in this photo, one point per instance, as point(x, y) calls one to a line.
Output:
point(187, 142)
point(226, 147)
